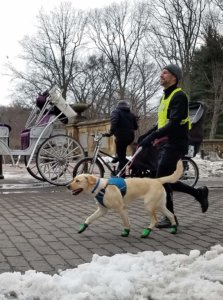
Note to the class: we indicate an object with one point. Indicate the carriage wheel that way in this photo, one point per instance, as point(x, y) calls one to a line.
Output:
point(57, 157)
point(32, 169)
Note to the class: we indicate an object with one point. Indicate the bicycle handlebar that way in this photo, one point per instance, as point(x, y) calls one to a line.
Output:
point(99, 136)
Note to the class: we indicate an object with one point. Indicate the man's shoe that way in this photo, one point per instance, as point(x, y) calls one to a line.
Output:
point(202, 197)
point(165, 223)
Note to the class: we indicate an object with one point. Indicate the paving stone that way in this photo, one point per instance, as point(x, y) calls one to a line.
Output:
point(59, 234)
point(6, 244)
point(49, 238)
point(57, 246)
point(37, 242)
point(67, 253)
point(10, 252)
point(54, 259)
point(18, 261)
point(24, 246)
point(5, 267)
point(32, 255)
point(45, 250)
point(41, 266)
point(69, 241)
point(75, 262)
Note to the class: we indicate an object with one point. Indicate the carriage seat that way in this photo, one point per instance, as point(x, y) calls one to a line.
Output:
point(4, 133)
point(50, 111)
point(34, 132)
point(4, 130)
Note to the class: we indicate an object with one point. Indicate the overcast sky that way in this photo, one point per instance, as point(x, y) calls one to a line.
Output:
point(17, 18)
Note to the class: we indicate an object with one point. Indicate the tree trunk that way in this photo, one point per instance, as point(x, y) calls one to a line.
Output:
point(214, 121)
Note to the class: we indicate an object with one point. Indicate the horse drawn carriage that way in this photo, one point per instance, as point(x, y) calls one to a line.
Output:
point(49, 153)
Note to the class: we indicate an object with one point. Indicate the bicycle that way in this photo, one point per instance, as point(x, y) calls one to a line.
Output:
point(96, 164)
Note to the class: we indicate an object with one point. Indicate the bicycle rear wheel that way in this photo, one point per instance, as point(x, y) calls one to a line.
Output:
point(191, 172)
point(87, 166)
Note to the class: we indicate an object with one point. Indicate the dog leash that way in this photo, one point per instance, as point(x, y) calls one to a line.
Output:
point(129, 163)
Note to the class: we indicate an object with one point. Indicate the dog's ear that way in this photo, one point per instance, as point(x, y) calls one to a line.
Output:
point(92, 179)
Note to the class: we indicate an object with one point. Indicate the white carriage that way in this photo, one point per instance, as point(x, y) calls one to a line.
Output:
point(49, 153)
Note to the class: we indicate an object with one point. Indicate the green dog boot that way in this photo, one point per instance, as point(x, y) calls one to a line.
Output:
point(83, 227)
point(125, 232)
point(173, 229)
point(146, 232)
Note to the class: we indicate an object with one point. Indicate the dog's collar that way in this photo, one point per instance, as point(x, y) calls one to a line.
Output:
point(96, 186)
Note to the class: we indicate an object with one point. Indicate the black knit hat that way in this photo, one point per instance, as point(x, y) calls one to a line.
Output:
point(175, 70)
point(123, 103)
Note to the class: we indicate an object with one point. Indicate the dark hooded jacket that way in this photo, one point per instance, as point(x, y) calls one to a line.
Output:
point(123, 121)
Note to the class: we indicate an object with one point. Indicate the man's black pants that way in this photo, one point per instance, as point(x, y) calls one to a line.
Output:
point(167, 162)
point(121, 148)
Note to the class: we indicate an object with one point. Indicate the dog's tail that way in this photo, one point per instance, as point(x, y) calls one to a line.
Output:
point(175, 176)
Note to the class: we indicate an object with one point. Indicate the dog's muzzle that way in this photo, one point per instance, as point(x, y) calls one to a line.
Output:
point(77, 191)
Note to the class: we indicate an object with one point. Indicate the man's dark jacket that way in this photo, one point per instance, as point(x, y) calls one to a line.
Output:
point(123, 122)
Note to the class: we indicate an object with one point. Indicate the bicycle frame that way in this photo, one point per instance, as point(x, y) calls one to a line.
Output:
point(96, 153)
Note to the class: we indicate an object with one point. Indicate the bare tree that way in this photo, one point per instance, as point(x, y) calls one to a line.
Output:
point(95, 85)
point(143, 83)
point(219, 3)
point(217, 102)
point(50, 55)
point(176, 31)
point(210, 66)
point(117, 31)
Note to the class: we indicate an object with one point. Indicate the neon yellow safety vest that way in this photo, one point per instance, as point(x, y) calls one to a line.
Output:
point(163, 108)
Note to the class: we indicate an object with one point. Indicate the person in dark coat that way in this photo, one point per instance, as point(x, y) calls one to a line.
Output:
point(123, 126)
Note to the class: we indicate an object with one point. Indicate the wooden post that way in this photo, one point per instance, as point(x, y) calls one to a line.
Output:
point(1, 170)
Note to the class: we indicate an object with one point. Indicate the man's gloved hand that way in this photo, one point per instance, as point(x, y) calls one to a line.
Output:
point(107, 134)
point(140, 139)
point(143, 136)
point(147, 140)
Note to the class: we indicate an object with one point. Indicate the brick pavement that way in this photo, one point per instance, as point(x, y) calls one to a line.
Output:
point(38, 228)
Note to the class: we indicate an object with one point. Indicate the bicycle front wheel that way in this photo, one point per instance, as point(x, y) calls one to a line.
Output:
point(87, 166)
point(191, 172)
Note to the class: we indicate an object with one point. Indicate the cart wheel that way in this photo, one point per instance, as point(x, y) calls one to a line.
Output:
point(57, 157)
point(32, 169)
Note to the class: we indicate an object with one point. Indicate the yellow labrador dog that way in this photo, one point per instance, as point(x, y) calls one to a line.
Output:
point(117, 193)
